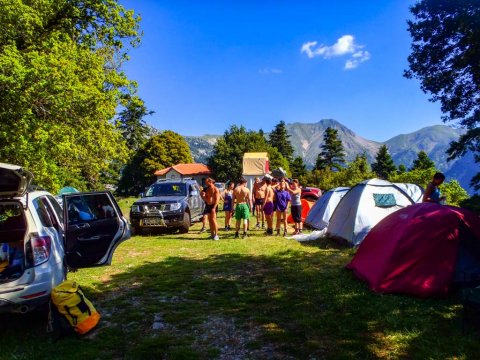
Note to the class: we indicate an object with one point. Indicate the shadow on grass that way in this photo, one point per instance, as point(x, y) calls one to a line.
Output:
point(292, 304)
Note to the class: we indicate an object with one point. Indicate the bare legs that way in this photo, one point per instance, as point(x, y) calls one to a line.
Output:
point(281, 218)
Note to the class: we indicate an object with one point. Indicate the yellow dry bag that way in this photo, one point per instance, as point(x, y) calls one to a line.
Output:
point(72, 304)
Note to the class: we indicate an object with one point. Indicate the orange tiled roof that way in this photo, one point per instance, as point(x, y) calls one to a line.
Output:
point(186, 169)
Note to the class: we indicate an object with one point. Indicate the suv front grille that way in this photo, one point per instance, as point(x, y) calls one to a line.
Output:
point(156, 208)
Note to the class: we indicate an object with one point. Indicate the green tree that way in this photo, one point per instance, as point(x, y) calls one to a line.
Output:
point(226, 160)
point(445, 52)
point(454, 192)
point(383, 165)
point(420, 177)
point(131, 123)
point(160, 151)
point(356, 171)
point(332, 155)
point(422, 162)
point(276, 159)
point(298, 168)
point(472, 203)
point(280, 139)
point(323, 179)
point(401, 169)
point(60, 84)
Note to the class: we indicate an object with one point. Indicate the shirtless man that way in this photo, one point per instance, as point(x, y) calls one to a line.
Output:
point(259, 198)
point(268, 207)
point(243, 201)
point(211, 196)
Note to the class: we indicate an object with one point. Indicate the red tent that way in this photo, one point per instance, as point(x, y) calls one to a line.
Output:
point(415, 250)
point(305, 210)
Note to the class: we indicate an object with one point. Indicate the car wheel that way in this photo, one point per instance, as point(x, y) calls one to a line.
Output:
point(186, 223)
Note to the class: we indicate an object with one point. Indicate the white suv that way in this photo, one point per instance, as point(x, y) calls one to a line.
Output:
point(39, 239)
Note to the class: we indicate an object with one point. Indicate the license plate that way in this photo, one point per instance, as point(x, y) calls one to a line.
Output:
point(153, 222)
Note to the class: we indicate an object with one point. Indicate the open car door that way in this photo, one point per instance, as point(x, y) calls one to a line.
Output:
point(94, 227)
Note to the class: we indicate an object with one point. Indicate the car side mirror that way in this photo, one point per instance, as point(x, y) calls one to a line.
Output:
point(194, 193)
point(141, 195)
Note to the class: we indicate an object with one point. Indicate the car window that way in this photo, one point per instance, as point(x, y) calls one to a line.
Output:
point(44, 216)
point(11, 216)
point(167, 189)
point(51, 213)
point(80, 210)
point(89, 207)
point(56, 207)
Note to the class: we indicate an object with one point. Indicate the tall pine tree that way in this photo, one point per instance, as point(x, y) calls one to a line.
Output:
point(383, 165)
point(332, 155)
point(280, 139)
point(131, 122)
point(423, 162)
point(298, 167)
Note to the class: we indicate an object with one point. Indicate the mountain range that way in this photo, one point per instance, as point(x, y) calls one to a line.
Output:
point(306, 139)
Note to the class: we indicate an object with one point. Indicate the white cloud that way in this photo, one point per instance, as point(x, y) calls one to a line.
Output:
point(270, 71)
point(345, 45)
point(357, 58)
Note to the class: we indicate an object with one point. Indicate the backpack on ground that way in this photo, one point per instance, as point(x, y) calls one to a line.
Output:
point(68, 301)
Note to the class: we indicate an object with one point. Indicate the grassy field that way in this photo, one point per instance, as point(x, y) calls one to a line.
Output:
point(183, 296)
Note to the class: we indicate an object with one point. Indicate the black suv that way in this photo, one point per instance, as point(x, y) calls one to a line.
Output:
point(168, 204)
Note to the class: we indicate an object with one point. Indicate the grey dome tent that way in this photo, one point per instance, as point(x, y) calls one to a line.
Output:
point(363, 206)
point(321, 212)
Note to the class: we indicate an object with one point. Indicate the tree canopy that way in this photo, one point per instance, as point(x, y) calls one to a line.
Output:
point(445, 58)
point(226, 161)
point(422, 162)
point(298, 168)
point(383, 165)
point(354, 172)
point(280, 139)
point(61, 81)
point(332, 155)
point(160, 151)
point(131, 123)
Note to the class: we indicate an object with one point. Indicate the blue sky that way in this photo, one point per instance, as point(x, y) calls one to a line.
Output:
point(205, 65)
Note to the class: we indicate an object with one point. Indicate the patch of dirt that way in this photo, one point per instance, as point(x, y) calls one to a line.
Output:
point(233, 341)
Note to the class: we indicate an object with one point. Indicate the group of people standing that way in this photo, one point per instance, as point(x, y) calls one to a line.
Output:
point(269, 198)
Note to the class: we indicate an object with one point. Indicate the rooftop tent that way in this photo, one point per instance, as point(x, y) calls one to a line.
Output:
point(363, 206)
point(254, 165)
point(420, 250)
point(321, 212)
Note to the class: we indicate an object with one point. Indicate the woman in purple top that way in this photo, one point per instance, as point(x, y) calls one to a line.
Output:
point(282, 198)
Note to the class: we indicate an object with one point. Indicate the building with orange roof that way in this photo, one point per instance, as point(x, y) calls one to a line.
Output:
point(195, 171)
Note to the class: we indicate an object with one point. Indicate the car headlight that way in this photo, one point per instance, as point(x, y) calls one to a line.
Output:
point(175, 206)
point(135, 208)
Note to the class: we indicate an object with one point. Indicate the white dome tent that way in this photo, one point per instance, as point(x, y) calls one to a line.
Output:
point(365, 204)
point(321, 212)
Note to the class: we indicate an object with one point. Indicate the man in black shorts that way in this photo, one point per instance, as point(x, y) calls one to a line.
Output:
point(211, 196)
point(259, 189)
